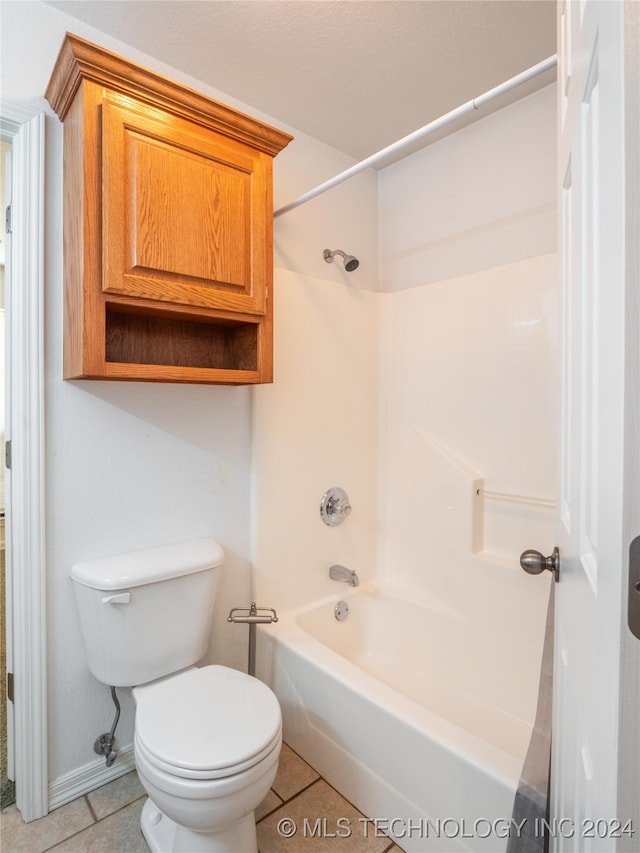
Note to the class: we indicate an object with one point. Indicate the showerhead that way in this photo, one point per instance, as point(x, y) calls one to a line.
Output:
point(351, 263)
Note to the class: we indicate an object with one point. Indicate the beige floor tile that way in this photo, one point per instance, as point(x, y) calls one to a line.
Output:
point(39, 835)
point(114, 795)
point(294, 774)
point(318, 820)
point(323, 820)
point(118, 833)
point(270, 802)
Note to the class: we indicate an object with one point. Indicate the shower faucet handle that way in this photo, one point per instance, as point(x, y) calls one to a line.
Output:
point(334, 506)
point(337, 506)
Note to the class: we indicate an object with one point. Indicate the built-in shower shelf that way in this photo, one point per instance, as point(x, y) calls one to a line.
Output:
point(508, 521)
point(523, 500)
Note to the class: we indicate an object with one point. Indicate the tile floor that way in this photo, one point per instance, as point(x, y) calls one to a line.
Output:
point(301, 812)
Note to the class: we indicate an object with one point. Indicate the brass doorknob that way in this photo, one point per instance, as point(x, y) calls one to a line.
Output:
point(534, 562)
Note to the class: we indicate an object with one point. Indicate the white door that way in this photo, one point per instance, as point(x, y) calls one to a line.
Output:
point(590, 621)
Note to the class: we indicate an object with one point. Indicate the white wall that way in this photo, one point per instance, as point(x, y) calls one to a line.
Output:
point(130, 465)
point(316, 427)
point(467, 249)
point(480, 198)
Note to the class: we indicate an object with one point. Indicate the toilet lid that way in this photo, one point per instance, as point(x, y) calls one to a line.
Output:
point(207, 722)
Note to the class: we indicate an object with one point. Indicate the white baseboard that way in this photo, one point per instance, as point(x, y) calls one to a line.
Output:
point(78, 782)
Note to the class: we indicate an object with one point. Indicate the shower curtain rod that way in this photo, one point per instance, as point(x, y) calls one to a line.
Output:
point(434, 125)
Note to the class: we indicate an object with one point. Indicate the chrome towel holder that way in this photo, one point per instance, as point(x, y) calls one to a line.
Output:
point(252, 616)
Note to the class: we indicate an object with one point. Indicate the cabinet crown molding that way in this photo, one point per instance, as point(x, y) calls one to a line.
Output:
point(80, 60)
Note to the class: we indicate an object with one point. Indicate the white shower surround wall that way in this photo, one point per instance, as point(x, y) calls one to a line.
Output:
point(466, 360)
point(412, 400)
point(471, 388)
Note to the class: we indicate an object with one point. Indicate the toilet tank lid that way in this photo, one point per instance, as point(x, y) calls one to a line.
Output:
point(150, 565)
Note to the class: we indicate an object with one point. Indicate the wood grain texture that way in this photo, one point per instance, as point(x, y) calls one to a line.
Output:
point(167, 227)
point(80, 60)
point(148, 339)
point(73, 239)
point(183, 213)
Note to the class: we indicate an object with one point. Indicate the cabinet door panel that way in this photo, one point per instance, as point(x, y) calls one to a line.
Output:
point(184, 215)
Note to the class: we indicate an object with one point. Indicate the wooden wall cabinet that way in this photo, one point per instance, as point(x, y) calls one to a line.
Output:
point(168, 218)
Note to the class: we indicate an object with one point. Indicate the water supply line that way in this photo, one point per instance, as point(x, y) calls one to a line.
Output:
point(252, 616)
point(422, 132)
point(104, 745)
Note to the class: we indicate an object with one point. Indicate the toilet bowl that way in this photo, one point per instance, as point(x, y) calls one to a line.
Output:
point(207, 743)
point(206, 739)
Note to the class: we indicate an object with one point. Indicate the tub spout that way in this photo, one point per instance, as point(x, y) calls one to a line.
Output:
point(340, 573)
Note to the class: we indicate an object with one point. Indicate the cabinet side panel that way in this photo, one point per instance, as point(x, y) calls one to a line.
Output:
point(264, 255)
point(265, 347)
point(73, 212)
point(93, 341)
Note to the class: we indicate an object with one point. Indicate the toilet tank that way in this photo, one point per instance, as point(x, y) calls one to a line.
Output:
point(147, 614)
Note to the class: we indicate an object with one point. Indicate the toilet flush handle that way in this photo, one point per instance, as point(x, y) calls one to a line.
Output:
point(119, 598)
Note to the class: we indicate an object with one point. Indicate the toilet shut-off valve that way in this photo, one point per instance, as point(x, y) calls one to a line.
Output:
point(104, 745)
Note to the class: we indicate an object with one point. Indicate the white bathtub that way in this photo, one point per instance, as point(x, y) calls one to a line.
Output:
point(418, 715)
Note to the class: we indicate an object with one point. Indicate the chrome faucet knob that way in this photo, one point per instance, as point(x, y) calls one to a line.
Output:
point(337, 507)
point(334, 506)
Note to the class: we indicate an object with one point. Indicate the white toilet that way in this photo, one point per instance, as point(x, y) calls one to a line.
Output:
point(207, 740)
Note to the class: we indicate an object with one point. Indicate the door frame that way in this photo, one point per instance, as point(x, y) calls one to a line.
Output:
point(26, 598)
point(629, 743)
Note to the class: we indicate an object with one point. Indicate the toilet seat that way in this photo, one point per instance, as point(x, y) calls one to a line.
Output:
point(206, 723)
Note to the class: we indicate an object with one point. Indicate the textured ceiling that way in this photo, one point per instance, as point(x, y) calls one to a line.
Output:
point(355, 74)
